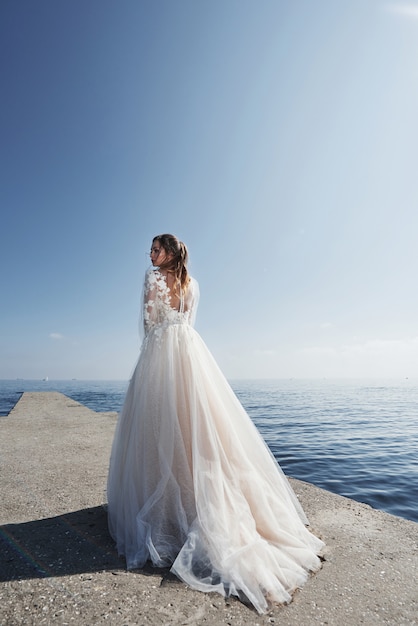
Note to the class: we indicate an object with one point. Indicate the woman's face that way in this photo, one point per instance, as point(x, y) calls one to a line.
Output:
point(158, 254)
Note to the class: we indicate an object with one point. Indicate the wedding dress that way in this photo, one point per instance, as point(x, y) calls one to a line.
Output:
point(192, 484)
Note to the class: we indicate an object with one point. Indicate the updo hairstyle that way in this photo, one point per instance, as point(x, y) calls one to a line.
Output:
point(178, 264)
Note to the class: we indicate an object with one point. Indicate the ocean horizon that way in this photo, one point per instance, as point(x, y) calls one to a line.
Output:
point(354, 437)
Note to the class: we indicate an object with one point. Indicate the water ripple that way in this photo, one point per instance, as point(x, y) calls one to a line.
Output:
point(358, 440)
point(355, 438)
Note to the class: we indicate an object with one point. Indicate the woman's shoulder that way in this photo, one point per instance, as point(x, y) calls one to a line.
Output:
point(152, 273)
point(154, 278)
point(193, 286)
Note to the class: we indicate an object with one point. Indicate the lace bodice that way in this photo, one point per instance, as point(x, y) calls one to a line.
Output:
point(158, 310)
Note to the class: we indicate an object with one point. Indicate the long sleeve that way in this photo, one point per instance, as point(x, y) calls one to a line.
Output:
point(149, 312)
point(192, 300)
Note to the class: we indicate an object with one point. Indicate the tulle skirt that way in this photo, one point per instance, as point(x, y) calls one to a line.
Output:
point(192, 484)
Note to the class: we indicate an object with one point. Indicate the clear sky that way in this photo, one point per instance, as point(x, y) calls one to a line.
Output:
point(278, 139)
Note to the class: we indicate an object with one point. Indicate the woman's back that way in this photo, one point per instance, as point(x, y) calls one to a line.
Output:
point(163, 305)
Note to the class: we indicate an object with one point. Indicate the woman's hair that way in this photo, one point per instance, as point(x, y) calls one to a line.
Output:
point(178, 264)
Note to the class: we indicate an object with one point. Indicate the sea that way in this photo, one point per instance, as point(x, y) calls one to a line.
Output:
point(356, 438)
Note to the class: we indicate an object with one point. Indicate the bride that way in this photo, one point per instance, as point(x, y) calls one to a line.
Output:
point(192, 485)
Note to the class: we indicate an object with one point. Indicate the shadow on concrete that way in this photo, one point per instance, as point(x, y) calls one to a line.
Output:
point(73, 543)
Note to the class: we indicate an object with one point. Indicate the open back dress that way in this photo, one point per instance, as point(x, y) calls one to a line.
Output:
point(192, 485)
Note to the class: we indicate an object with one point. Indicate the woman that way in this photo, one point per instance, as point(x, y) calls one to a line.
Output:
point(192, 485)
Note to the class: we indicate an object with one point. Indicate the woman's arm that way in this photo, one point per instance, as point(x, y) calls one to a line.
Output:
point(149, 312)
point(192, 300)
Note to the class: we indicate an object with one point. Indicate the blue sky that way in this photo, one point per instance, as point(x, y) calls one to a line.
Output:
point(278, 139)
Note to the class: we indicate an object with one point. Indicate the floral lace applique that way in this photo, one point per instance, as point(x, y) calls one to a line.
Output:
point(158, 312)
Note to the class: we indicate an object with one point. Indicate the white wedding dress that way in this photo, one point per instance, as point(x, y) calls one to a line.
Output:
point(192, 484)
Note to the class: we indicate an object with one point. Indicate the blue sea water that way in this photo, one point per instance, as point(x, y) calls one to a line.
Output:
point(357, 438)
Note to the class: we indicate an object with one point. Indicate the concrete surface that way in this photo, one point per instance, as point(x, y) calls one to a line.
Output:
point(58, 564)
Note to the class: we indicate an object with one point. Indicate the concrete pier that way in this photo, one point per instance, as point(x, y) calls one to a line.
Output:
point(58, 564)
